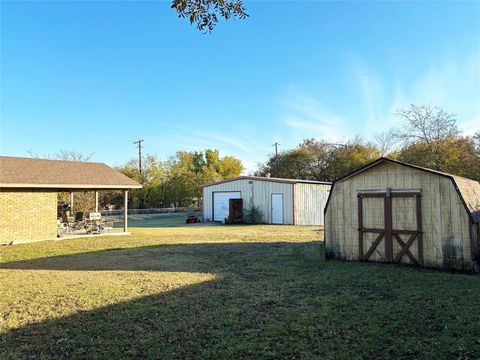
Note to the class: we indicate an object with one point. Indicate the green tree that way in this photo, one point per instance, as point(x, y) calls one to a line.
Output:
point(307, 161)
point(230, 167)
point(187, 171)
point(320, 160)
point(205, 13)
point(218, 168)
point(152, 176)
point(177, 181)
point(352, 156)
point(183, 175)
point(459, 156)
point(432, 139)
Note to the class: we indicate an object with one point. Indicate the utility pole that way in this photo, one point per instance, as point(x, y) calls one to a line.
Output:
point(276, 152)
point(139, 144)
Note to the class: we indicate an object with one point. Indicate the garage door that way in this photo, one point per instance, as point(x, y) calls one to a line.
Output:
point(221, 202)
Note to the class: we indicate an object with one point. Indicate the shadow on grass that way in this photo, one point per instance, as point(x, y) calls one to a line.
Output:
point(269, 301)
point(206, 257)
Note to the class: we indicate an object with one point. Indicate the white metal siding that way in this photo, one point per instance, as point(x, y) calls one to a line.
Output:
point(258, 193)
point(310, 201)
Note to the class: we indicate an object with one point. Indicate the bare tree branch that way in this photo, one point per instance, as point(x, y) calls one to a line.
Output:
point(427, 123)
point(476, 141)
point(69, 155)
point(386, 141)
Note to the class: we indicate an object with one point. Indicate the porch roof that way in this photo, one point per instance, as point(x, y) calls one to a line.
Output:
point(61, 175)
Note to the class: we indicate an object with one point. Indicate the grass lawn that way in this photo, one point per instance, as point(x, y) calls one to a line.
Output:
point(239, 292)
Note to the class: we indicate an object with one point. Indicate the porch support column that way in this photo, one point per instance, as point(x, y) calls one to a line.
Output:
point(125, 211)
point(96, 201)
point(71, 202)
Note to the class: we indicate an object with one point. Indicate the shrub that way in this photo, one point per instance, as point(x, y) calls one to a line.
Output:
point(254, 215)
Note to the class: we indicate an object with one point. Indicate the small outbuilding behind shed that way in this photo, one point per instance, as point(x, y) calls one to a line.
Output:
point(282, 201)
point(389, 211)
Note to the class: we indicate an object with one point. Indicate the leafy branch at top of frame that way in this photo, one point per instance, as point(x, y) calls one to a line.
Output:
point(205, 13)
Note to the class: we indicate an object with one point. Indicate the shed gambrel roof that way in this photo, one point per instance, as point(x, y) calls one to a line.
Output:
point(269, 179)
point(468, 190)
point(30, 173)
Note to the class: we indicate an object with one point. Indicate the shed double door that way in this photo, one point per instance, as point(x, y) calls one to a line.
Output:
point(390, 226)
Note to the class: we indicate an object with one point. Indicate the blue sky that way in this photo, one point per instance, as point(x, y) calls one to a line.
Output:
point(94, 76)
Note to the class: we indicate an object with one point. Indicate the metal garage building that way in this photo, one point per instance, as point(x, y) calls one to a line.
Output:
point(389, 211)
point(282, 201)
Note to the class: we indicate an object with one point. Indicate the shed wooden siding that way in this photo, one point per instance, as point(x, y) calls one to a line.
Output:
point(446, 224)
point(310, 200)
point(258, 193)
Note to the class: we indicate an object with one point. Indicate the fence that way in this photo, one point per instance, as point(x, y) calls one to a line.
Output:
point(155, 211)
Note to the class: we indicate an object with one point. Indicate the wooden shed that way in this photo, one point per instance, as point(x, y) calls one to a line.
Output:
point(282, 201)
point(389, 211)
point(29, 192)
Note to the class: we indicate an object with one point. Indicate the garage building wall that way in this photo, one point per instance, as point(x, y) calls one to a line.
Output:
point(446, 224)
point(310, 201)
point(258, 193)
point(27, 216)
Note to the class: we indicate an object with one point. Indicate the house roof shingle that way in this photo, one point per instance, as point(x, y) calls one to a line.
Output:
point(18, 172)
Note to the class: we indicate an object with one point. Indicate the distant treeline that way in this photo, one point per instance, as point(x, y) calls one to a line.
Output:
point(427, 136)
point(175, 182)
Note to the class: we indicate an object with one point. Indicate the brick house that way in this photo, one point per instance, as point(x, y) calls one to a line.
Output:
point(29, 190)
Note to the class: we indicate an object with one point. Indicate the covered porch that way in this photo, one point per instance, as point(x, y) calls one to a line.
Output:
point(29, 191)
point(74, 222)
